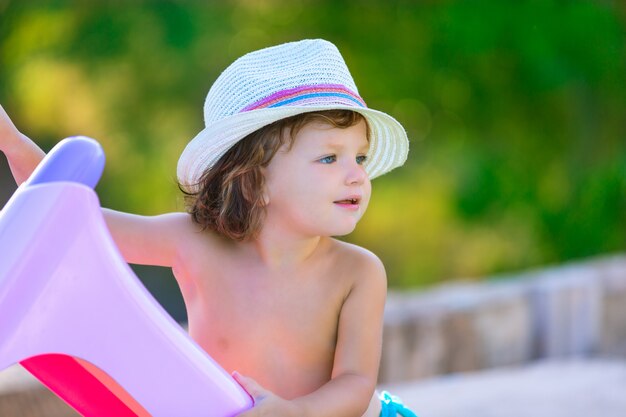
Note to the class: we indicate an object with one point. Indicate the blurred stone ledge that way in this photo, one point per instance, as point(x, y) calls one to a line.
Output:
point(21, 395)
point(577, 310)
point(571, 387)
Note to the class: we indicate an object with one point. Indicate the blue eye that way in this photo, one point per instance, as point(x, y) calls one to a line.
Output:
point(361, 159)
point(328, 159)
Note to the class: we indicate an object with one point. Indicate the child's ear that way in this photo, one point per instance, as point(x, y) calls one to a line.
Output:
point(265, 196)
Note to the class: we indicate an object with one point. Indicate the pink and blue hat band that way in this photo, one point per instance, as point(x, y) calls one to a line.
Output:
point(308, 94)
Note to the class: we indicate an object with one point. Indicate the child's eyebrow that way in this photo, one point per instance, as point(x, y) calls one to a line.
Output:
point(339, 145)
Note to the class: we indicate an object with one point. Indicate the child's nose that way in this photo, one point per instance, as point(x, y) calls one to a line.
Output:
point(355, 174)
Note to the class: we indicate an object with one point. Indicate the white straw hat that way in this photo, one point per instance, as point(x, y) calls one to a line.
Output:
point(273, 83)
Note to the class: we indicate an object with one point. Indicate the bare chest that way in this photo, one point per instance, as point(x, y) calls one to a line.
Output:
point(275, 328)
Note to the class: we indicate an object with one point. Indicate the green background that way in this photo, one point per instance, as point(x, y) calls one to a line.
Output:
point(516, 112)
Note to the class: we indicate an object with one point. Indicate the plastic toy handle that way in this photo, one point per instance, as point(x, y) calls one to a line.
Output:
point(77, 159)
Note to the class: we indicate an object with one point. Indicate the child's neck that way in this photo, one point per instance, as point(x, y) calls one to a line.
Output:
point(273, 250)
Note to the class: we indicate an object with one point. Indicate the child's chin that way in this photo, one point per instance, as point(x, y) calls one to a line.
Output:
point(344, 231)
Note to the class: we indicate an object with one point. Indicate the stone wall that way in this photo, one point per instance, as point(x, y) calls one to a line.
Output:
point(574, 310)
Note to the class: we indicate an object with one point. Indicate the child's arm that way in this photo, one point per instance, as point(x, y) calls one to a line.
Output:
point(22, 153)
point(357, 356)
point(149, 240)
point(141, 239)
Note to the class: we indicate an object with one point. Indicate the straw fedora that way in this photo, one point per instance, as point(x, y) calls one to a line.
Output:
point(270, 84)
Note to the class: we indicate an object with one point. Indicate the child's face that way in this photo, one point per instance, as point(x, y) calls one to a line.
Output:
point(309, 184)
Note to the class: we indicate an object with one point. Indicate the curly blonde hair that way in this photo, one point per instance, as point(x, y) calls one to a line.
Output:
point(230, 198)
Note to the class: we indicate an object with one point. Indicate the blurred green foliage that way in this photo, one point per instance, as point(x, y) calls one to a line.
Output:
point(516, 111)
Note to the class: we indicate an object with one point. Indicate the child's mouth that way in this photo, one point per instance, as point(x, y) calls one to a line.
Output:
point(349, 203)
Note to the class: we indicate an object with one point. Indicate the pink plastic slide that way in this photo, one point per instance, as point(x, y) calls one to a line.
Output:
point(74, 314)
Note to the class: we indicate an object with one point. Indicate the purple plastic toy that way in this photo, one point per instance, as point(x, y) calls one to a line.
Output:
point(74, 314)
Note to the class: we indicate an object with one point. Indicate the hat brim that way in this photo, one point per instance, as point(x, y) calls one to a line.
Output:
point(389, 145)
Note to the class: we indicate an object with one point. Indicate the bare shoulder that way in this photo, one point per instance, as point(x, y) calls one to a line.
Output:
point(190, 237)
point(176, 227)
point(361, 266)
point(195, 245)
point(179, 223)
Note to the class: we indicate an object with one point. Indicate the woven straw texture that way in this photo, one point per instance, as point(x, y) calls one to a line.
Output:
point(281, 81)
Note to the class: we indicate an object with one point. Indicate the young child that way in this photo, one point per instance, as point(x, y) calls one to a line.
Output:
point(284, 164)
